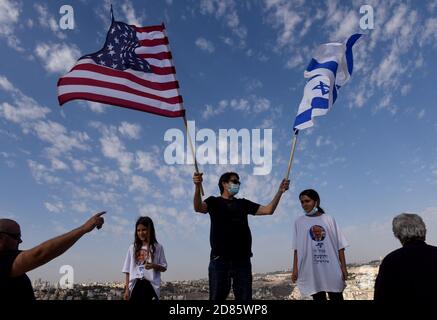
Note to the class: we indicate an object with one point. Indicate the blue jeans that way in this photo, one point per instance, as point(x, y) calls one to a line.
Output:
point(224, 271)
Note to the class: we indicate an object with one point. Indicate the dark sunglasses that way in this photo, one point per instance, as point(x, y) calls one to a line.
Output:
point(235, 181)
point(15, 236)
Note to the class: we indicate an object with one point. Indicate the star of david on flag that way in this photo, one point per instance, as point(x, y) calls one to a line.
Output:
point(329, 69)
point(134, 69)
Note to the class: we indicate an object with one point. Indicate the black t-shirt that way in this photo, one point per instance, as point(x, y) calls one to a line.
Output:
point(13, 289)
point(230, 235)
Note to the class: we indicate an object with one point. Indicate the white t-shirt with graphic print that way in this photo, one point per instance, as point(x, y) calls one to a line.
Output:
point(137, 270)
point(317, 241)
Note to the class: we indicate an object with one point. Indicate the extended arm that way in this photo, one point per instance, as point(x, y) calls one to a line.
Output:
point(271, 207)
point(50, 249)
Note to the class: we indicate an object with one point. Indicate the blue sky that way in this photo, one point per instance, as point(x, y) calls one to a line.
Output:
point(240, 65)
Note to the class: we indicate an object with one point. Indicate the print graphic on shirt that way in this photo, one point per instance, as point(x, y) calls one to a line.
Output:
point(318, 234)
point(142, 257)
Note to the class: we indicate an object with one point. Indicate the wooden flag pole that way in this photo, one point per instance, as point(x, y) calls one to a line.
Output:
point(293, 147)
point(185, 118)
point(192, 151)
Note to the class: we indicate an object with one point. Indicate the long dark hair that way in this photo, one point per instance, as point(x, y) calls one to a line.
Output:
point(148, 223)
point(313, 195)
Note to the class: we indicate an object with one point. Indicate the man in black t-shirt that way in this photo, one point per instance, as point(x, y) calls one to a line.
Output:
point(14, 283)
point(230, 236)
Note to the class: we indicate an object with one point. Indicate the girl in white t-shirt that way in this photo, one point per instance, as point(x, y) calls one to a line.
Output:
point(145, 260)
point(319, 264)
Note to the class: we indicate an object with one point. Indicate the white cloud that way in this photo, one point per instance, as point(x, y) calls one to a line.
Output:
point(48, 21)
point(140, 184)
point(349, 25)
point(113, 148)
point(211, 111)
point(60, 139)
point(9, 17)
point(24, 109)
point(5, 84)
point(80, 207)
point(130, 14)
point(252, 104)
point(130, 130)
point(285, 16)
point(226, 9)
point(253, 84)
point(239, 104)
point(78, 165)
point(96, 106)
point(41, 173)
point(205, 45)
point(56, 207)
point(395, 23)
point(104, 15)
point(429, 34)
point(421, 114)
point(146, 161)
point(57, 57)
point(58, 164)
point(295, 61)
point(323, 141)
point(261, 104)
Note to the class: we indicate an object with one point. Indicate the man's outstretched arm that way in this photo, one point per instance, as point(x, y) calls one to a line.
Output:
point(271, 207)
point(50, 249)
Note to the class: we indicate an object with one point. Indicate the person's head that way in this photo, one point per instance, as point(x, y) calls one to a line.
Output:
point(408, 227)
point(144, 233)
point(10, 235)
point(317, 232)
point(310, 199)
point(145, 230)
point(141, 256)
point(229, 181)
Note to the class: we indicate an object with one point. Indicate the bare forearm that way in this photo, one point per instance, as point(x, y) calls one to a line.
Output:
point(53, 248)
point(295, 260)
point(127, 281)
point(197, 201)
point(45, 252)
point(342, 258)
point(274, 203)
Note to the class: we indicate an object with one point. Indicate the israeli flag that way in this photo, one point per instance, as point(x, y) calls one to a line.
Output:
point(329, 69)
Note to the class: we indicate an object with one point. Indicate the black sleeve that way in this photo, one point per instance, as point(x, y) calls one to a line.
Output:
point(250, 207)
point(6, 261)
point(210, 202)
point(380, 293)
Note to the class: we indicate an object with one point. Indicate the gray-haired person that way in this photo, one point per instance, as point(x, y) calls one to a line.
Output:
point(408, 273)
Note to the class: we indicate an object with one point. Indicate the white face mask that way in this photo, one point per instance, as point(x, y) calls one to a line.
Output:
point(313, 211)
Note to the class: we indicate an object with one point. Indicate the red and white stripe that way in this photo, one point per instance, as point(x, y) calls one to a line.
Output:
point(156, 92)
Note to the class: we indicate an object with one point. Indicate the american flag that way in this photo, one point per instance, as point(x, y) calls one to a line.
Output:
point(134, 70)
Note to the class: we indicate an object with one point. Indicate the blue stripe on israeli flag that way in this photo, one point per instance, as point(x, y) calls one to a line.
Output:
point(329, 69)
